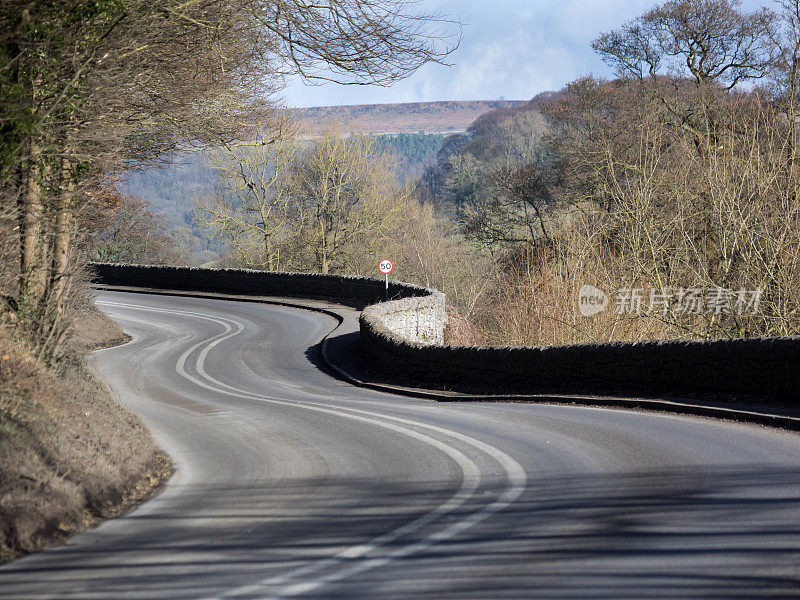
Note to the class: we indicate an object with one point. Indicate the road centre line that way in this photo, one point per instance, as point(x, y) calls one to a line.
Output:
point(471, 477)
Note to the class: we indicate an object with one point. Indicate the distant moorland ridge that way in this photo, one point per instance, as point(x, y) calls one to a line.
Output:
point(451, 116)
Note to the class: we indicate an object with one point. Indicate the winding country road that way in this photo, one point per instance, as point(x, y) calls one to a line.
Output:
point(291, 483)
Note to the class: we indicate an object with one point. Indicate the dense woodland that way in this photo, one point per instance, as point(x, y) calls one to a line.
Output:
point(172, 189)
point(677, 174)
point(676, 180)
point(407, 117)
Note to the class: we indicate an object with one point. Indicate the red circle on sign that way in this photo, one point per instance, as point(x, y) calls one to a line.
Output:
point(385, 266)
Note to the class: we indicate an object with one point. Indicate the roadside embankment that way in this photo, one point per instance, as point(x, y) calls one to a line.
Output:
point(70, 455)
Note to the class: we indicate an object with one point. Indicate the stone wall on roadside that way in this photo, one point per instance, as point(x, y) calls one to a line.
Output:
point(406, 335)
point(418, 314)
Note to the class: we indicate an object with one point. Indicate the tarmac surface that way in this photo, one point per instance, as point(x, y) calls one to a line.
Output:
point(292, 483)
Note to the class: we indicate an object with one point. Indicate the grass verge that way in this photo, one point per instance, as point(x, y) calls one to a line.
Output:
point(70, 455)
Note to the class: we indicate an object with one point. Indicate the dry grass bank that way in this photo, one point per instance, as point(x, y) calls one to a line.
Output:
point(69, 454)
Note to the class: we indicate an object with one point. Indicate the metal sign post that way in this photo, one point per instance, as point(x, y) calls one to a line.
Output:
point(385, 267)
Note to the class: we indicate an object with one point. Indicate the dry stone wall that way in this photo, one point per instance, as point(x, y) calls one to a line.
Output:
point(420, 319)
point(407, 333)
point(417, 314)
point(351, 291)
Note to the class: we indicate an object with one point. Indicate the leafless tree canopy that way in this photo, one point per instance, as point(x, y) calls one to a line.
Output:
point(88, 86)
point(712, 40)
point(356, 41)
point(672, 177)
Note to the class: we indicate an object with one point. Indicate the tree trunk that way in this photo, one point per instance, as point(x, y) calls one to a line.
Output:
point(792, 112)
point(59, 276)
point(33, 275)
point(268, 251)
point(323, 251)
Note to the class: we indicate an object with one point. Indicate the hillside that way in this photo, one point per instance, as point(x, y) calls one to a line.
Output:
point(413, 117)
point(173, 187)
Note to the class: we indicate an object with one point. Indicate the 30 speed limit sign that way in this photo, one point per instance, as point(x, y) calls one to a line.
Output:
point(385, 266)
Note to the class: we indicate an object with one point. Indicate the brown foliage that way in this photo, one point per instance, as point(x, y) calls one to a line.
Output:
point(128, 232)
point(69, 454)
point(667, 179)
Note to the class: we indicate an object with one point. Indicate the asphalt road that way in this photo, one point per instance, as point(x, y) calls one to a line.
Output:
point(291, 483)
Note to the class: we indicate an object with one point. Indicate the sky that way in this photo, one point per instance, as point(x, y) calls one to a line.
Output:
point(512, 49)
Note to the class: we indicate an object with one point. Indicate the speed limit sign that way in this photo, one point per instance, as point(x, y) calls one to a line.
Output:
point(385, 266)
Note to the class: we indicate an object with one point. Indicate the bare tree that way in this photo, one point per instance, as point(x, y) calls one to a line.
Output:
point(709, 40)
point(786, 76)
point(712, 42)
point(253, 208)
point(662, 216)
point(360, 42)
point(345, 197)
point(129, 233)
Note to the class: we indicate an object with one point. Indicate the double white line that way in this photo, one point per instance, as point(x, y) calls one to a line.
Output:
point(308, 578)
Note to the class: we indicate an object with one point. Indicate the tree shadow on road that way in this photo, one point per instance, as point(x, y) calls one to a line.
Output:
point(702, 533)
